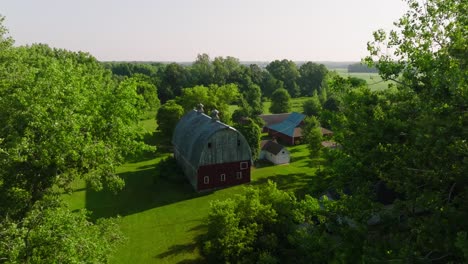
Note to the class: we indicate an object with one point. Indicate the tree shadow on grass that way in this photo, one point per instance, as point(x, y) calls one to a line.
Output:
point(157, 138)
point(143, 190)
point(294, 150)
point(297, 183)
point(144, 156)
point(262, 163)
point(187, 248)
point(300, 158)
point(154, 139)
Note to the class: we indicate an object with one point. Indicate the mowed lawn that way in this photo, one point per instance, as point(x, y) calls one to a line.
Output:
point(163, 219)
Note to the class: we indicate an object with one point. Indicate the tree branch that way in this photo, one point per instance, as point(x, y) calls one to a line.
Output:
point(439, 258)
point(399, 82)
point(450, 192)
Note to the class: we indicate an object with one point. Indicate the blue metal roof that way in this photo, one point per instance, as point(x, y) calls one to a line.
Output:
point(287, 126)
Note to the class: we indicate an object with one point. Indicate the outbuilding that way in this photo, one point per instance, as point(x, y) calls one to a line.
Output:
point(289, 130)
point(272, 119)
point(211, 153)
point(274, 152)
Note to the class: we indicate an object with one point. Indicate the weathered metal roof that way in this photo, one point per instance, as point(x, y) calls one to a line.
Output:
point(272, 147)
point(192, 134)
point(287, 126)
point(271, 119)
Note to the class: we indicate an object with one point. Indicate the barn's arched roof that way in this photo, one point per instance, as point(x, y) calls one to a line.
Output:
point(192, 134)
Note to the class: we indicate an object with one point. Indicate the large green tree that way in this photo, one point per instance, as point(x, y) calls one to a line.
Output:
point(312, 135)
point(252, 132)
point(147, 91)
point(270, 84)
point(62, 117)
point(167, 117)
point(223, 68)
point(411, 140)
point(312, 106)
point(202, 70)
point(312, 75)
point(174, 77)
point(212, 97)
point(256, 74)
point(280, 102)
point(287, 72)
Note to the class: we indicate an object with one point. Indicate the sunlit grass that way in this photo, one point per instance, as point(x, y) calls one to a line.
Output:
point(163, 220)
point(296, 105)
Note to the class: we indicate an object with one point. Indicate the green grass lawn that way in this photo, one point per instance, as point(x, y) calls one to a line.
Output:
point(296, 105)
point(163, 220)
point(374, 81)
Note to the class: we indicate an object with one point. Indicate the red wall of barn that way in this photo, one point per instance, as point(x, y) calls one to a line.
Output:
point(214, 171)
point(280, 137)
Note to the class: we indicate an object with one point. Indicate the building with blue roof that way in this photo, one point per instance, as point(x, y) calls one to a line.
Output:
point(289, 130)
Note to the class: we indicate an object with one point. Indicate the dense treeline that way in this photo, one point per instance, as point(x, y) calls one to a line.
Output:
point(171, 79)
point(219, 83)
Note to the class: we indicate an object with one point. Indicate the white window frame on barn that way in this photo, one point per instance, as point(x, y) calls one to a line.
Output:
point(239, 175)
point(206, 179)
point(223, 177)
point(244, 165)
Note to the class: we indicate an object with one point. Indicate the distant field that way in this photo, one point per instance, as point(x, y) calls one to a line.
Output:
point(162, 220)
point(296, 105)
point(373, 79)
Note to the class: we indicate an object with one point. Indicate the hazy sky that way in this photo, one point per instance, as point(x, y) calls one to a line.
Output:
point(177, 30)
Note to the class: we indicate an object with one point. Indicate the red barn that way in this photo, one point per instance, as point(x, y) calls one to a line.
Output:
point(211, 153)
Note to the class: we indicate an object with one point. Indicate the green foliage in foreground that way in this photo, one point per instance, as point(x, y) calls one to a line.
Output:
point(62, 117)
point(51, 233)
point(411, 139)
point(251, 225)
point(267, 225)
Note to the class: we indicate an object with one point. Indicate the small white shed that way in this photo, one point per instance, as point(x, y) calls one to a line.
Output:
point(274, 152)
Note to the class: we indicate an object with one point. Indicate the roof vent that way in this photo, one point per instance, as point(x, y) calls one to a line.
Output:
point(200, 108)
point(214, 115)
